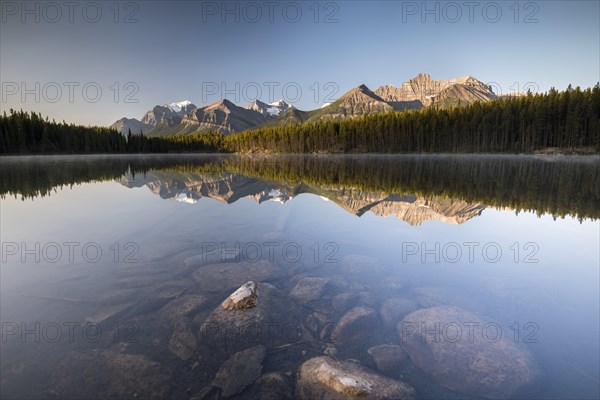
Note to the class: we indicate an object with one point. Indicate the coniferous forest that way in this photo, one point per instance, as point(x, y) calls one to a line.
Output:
point(565, 120)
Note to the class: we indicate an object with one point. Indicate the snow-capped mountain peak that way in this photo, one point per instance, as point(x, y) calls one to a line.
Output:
point(279, 103)
point(275, 109)
point(177, 107)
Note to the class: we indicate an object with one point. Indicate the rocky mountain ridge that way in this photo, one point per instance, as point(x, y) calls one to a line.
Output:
point(226, 117)
point(423, 91)
point(275, 109)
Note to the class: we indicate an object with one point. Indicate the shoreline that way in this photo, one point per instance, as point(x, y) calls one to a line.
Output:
point(552, 151)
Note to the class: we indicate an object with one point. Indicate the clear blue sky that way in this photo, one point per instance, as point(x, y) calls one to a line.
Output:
point(174, 51)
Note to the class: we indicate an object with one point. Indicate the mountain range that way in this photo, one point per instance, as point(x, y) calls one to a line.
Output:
point(227, 117)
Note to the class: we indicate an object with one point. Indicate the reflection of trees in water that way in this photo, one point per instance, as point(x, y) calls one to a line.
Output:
point(30, 177)
point(558, 186)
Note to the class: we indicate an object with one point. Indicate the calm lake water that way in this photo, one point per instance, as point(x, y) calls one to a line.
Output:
point(113, 267)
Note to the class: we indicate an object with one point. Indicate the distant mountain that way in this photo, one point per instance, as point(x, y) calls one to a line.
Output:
point(182, 107)
point(185, 118)
point(124, 125)
point(161, 114)
point(423, 91)
point(275, 109)
point(225, 117)
point(169, 114)
point(292, 116)
point(420, 92)
point(358, 101)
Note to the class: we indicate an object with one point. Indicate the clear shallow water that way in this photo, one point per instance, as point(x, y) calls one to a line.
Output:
point(436, 230)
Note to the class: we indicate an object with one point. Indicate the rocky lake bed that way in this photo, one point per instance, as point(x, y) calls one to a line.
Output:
point(212, 328)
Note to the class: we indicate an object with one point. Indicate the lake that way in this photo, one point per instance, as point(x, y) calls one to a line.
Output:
point(438, 276)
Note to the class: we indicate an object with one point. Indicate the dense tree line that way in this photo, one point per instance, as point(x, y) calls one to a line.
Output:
point(203, 142)
point(30, 177)
point(566, 120)
point(25, 133)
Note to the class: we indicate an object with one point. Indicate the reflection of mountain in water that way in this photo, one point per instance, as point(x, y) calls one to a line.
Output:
point(412, 209)
point(189, 188)
point(559, 186)
point(228, 188)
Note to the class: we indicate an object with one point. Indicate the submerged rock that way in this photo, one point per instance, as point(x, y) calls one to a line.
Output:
point(431, 296)
point(119, 296)
point(456, 349)
point(169, 290)
point(243, 298)
point(358, 263)
point(183, 341)
point(181, 307)
point(394, 309)
point(393, 283)
point(355, 324)
point(272, 320)
point(240, 371)
point(212, 255)
point(109, 314)
point(344, 301)
point(309, 289)
point(389, 358)
point(330, 350)
point(104, 374)
point(223, 277)
point(132, 282)
point(273, 386)
point(156, 297)
point(324, 378)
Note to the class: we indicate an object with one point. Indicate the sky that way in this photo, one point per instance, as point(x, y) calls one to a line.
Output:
point(92, 63)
